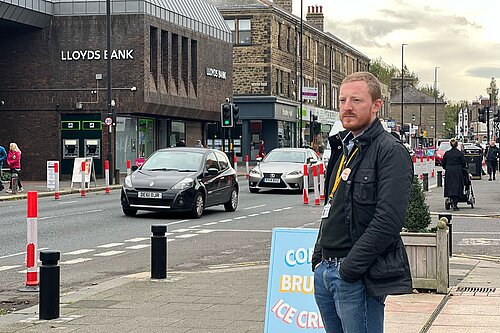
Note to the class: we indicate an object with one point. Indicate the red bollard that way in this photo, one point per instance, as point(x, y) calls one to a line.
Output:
point(315, 181)
point(56, 175)
point(247, 167)
point(305, 190)
point(82, 185)
point(106, 174)
point(32, 243)
point(129, 167)
point(321, 181)
point(235, 164)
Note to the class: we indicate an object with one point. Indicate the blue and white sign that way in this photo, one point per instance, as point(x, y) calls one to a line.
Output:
point(290, 305)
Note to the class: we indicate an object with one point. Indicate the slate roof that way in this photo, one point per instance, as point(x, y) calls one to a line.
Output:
point(412, 95)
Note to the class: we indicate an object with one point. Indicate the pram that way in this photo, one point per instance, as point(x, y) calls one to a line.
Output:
point(467, 194)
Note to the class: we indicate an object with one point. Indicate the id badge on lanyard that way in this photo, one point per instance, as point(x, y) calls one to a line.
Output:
point(326, 210)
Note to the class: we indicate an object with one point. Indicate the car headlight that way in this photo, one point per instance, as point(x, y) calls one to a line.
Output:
point(295, 173)
point(255, 172)
point(128, 182)
point(184, 184)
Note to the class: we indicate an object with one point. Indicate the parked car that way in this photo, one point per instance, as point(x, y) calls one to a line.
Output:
point(181, 179)
point(283, 168)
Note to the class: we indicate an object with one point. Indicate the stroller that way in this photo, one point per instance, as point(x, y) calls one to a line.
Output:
point(467, 194)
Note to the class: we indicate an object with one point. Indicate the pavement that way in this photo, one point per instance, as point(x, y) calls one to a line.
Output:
point(233, 299)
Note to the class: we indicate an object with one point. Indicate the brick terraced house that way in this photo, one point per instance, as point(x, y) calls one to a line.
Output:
point(171, 70)
point(266, 67)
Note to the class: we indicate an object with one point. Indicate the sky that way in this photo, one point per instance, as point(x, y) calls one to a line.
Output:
point(460, 37)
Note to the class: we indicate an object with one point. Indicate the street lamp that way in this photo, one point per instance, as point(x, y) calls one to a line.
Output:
point(301, 68)
point(435, 104)
point(492, 90)
point(402, 86)
point(110, 102)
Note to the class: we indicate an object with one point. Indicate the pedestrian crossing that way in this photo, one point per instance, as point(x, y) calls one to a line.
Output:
point(121, 247)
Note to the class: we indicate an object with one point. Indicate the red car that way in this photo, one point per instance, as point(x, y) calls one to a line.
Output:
point(444, 146)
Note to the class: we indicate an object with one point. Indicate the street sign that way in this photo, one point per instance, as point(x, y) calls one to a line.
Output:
point(108, 121)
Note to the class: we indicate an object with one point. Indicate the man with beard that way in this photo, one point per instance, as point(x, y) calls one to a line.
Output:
point(359, 256)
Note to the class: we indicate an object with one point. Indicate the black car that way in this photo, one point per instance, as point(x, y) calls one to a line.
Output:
point(181, 179)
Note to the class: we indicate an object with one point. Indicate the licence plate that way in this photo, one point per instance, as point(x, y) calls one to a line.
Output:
point(149, 195)
point(271, 180)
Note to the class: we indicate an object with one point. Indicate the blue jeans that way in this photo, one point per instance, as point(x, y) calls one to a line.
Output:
point(346, 307)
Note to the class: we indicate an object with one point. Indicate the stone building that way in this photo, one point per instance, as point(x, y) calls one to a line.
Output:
point(267, 68)
point(171, 68)
point(423, 115)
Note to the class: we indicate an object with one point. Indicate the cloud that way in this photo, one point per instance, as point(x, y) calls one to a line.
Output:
point(483, 72)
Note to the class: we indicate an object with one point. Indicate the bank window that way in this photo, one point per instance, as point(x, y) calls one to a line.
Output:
point(244, 32)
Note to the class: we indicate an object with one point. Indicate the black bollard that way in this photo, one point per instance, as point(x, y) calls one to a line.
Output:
point(158, 251)
point(49, 285)
point(425, 182)
point(13, 182)
point(440, 178)
point(450, 233)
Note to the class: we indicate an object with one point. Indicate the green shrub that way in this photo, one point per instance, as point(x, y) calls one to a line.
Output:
point(5, 176)
point(418, 216)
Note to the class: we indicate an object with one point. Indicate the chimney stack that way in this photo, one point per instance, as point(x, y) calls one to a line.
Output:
point(284, 4)
point(315, 17)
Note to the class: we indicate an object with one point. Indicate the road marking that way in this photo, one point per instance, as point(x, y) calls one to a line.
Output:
point(240, 217)
point(265, 212)
point(21, 253)
point(277, 210)
point(186, 236)
point(177, 222)
point(137, 239)
point(241, 230)
point(205, 231)
point(182, 230)
point(77, 252)
point(210, 223)
point(138, 246)
point(226, 220)
point(107, 246)
point(287, 208)
point(253, 207)
point(252, 215)
point(4, 268)
point(107, 254)
point(170, 240)
point(479, 241)
point(67, 202)
point(477, 232)
point(75, 261)
point(69, 215)
point(194, 227)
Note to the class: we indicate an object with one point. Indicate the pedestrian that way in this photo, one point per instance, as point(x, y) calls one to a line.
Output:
point(14, 162)
point(359, 257)
point(453, 164)
point(262, 151)
point(3, 158)
point(492, 154)
point(181, 143)
point(198, 144)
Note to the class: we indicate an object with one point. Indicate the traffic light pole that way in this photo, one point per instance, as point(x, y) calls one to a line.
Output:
point(488, 123)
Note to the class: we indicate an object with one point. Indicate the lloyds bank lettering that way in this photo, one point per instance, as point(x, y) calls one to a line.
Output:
point(78, 55)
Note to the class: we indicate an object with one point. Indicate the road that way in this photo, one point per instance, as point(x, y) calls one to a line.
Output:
point(97, 242)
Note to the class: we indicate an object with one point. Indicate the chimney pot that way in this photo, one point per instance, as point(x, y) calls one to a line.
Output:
point(321, 9)
point(317, 9)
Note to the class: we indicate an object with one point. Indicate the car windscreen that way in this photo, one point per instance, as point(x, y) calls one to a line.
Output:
point(286, 156)
point(444, 146)
point(173, 160)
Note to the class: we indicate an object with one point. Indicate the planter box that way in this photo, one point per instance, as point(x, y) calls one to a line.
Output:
point(429, 261)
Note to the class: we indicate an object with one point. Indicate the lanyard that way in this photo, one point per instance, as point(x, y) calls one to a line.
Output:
point(339, 171)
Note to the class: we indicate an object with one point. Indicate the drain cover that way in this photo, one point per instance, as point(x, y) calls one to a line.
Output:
point(475, 290)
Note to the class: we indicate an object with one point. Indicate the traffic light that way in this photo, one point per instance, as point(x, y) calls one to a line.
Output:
point(481, 116)
point(315, 125)
point(236, 113)
point(226, 115)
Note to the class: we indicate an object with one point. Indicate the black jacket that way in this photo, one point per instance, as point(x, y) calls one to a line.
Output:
point(453, 164)
point(376, 200)
point(492, 153)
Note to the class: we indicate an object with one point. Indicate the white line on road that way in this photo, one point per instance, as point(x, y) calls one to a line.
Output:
point(205, 231)
point(182, 230)
point(252, 215)
point(210, 223)
point(67, 202)
point(69, 215)
point(479, 241)
point(176, 222)
point(253, 207)
point(75, 261)
point(226, 220)
point(106, 246)
point(477, 232)
point(137, 239)
point(186, 236)
point(107, 254)
point(240, 217)
point(265, 212)
point(194, 227)
point(138, 246)
point(4, 268)
point(77, 252)
point(20, 253)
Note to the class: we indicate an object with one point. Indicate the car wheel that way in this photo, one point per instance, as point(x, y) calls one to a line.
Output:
point(198, 205)
point(129, 211)
point(254, 190)
point(231, 205)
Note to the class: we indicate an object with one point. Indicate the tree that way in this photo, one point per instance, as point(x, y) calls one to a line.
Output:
point(385, 72)
point(418, 216)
